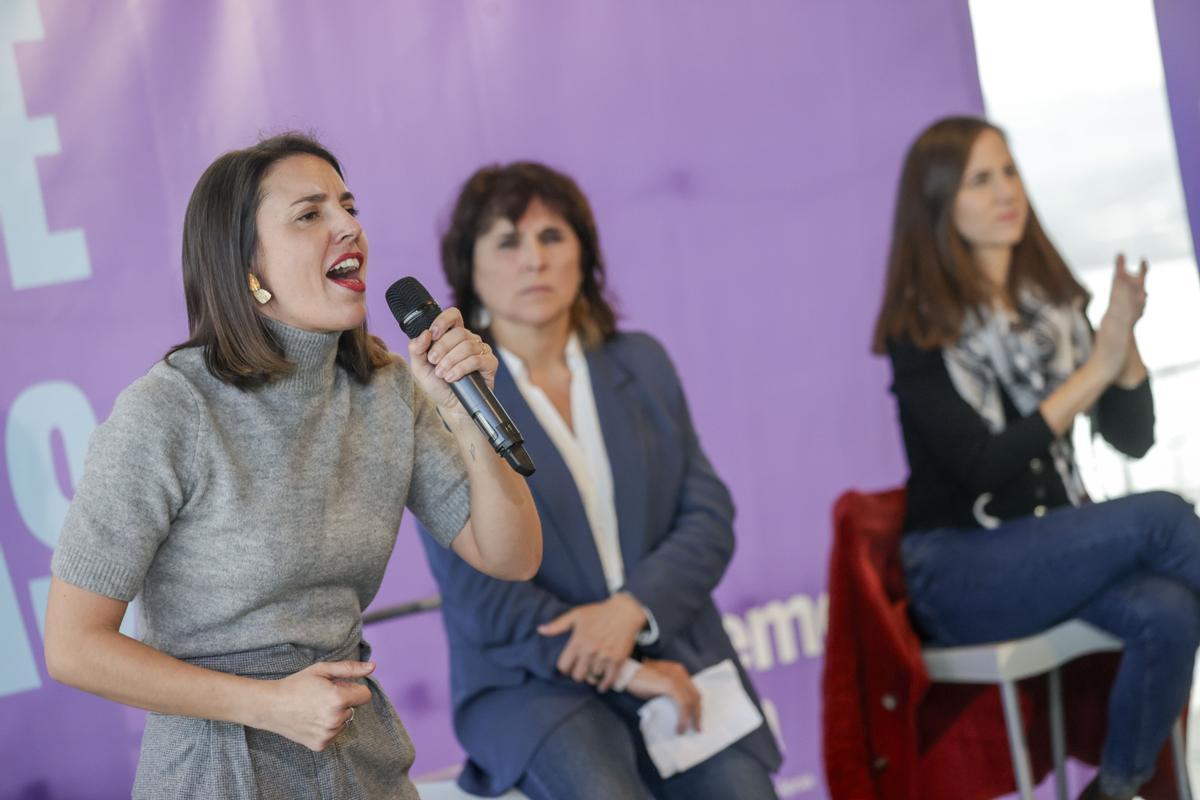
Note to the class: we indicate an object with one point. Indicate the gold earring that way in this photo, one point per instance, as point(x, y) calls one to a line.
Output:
point(260, 294)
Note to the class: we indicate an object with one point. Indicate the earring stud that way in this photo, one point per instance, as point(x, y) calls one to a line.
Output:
point(260, 294)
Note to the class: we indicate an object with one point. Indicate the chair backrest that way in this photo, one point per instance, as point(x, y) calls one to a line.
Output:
point(873, 677)
point(869, 525)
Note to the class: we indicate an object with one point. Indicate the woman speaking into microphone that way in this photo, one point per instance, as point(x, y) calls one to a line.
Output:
point(548, 675)
point(249, 488)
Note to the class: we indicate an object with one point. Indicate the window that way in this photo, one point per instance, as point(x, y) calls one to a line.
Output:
point(1078, 85)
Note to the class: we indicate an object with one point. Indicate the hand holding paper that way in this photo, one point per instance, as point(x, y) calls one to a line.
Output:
point(669, 680)
point(728, 715)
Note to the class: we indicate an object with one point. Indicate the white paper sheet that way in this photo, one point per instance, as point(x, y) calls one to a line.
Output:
point(726, 715)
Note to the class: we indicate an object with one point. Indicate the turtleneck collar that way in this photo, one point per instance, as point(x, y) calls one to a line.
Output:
point(314, 355)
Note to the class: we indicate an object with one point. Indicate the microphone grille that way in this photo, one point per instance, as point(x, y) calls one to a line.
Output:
point(406, 296)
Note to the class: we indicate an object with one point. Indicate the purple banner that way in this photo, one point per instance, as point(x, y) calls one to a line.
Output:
point(742, 159)
point(1178, 32)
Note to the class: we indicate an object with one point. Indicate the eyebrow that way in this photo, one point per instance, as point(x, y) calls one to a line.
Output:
point(322, 197)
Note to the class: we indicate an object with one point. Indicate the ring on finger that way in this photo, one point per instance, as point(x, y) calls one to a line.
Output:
point(351, 717)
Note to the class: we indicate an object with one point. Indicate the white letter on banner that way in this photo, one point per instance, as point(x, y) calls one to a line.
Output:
point(34, 416)
point(739, 637)
point(773, 629)
point(36, 257)
point(18, 671)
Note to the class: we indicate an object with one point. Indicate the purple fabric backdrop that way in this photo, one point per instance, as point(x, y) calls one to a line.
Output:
point(742, 161)
point(1178, 33)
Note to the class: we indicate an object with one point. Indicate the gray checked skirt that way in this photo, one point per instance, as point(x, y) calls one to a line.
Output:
point(184, 758)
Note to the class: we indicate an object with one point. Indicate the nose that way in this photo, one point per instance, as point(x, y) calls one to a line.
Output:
point(1008, 188)
point(346, 227)
point(533, 255)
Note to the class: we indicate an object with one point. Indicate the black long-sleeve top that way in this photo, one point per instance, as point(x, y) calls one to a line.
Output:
point(954, 458)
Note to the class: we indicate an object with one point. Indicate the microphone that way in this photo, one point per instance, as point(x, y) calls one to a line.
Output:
point(415, 310)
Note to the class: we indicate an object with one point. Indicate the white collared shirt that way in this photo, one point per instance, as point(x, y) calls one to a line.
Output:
point(581, 445)
point(582, 448)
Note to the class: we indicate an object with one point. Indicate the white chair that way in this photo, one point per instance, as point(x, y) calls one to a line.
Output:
point(448, 790)
point(1005, 663)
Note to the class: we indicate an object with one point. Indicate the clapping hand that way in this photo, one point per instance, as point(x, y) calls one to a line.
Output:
point(1126, 304)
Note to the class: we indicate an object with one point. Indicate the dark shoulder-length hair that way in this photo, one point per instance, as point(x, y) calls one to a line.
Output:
point(220, 244)
point(932, 282)
point(504, 192)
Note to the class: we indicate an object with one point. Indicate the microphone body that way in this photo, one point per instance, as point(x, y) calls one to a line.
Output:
point(416, 310)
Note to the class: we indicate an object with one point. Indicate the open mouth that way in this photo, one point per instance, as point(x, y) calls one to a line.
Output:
point(345, 272)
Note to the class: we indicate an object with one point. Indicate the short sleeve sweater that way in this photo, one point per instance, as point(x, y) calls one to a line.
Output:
point(250, 518)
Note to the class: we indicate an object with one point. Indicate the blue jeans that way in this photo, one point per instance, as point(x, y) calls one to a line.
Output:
point(597, 754)
point(1128, 566)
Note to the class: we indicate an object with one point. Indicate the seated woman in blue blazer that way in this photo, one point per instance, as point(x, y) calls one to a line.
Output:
point(547, 675)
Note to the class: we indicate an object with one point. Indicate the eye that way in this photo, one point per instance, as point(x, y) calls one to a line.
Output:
point(508, 242)
point(551, 235)
point(980, 178)
point(308, 216)
point(1011, 170)
point(352, 210)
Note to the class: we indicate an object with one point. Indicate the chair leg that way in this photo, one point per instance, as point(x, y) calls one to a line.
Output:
point(1058, 736)
point(1179, 756)
point(1016, 740)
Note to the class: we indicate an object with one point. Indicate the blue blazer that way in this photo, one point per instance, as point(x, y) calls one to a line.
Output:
point(675, 519)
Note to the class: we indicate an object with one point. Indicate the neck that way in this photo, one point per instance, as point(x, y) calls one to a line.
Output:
point(539, 346)
point(313, 355)
point(994, 263)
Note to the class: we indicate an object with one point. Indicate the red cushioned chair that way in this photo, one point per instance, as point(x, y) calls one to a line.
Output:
point(890, 732)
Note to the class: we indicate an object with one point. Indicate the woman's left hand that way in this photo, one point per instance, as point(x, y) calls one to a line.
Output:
point(670, 678)
point(446, 352)
point(602, 637)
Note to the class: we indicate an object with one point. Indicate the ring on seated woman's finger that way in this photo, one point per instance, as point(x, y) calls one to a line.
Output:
point(351, 717)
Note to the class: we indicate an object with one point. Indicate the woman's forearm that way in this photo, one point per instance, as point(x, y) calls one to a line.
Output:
point(113, 666)
point(84, 649)
point(1077, 394)
point(1135, 369)
point(504, 527)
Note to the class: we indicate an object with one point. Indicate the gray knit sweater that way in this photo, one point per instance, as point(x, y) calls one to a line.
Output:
point(251, 518)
